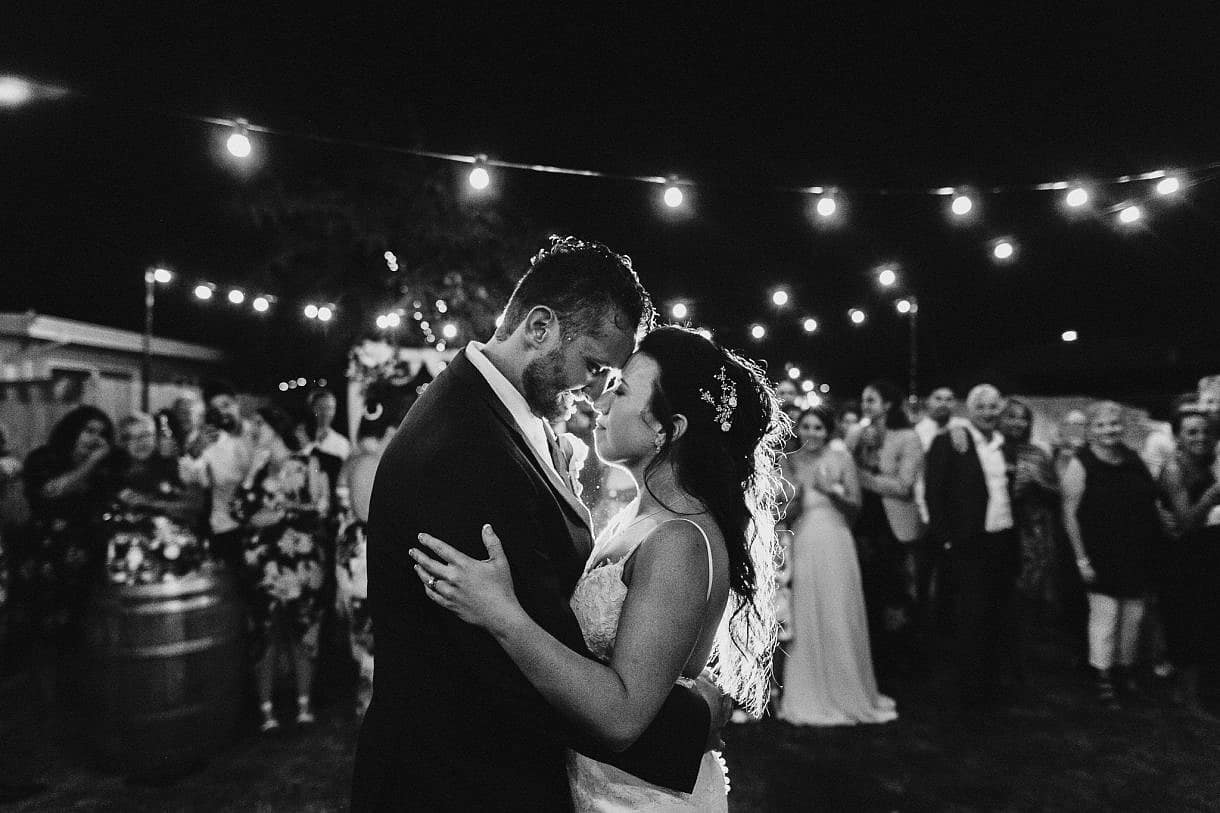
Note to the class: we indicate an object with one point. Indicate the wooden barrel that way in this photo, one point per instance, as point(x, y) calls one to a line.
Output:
point(164, 672)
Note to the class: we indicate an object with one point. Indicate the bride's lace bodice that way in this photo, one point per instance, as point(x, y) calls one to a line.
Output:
point(596, 787)
point(597, 603)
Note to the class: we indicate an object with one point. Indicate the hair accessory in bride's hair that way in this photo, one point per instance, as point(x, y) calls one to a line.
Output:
point(726, 403)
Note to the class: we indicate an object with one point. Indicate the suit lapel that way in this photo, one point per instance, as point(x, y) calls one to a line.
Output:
point(565, 494)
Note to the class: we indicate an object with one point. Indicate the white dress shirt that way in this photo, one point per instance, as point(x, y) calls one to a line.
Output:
point(995, 472)
point(332, 443)
point(533, 427)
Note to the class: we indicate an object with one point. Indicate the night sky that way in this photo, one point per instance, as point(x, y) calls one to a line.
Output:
point(101, 185)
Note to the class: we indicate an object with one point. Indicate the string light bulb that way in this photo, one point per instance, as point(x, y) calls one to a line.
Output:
point(479, 177)
point(1168, 185)
point(1076, 197)
point(1003, 250)
point(162, 275)
point(393, 319)
point(325, 314)
point(780, 297)
point(1130, 214)
point(826, 206)
point(238, 144)
point(810, 324)
point(679, 310)
point(903, 306)
point(449, 330)
point(887, 277)
point(856, 315)
point(794, 373)
point(261, 304)
point(758, 331)
point(807, 385)
point(204, 291)
point(961, 205)
point(1069, 336)
point(237, 296)
point(381, 322)
point(311, 311)
point(673, 196)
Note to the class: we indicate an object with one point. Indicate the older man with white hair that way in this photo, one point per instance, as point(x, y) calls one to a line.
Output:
point(971, 515)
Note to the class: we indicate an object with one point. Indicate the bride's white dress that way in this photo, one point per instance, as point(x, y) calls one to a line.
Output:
point(597, 603)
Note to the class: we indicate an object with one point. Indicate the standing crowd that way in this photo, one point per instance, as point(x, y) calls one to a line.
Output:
point(913, 523)
point(278, 501)
point(902, 523)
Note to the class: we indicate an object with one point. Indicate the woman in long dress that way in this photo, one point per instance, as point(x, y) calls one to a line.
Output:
point(828, 675)
point(685, 583)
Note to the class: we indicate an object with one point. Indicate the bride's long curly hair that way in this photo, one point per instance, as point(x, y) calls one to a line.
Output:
point(728, 459)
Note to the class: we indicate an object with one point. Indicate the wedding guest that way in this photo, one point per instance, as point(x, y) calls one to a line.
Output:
point(848, 419)
point(1035, 504)
point(354, 489)
point(281, 503)
point(971, 516)
point(1109, 513)
point(187, 413)
point(323, 406)
point(894, 562)
point(1069, 438)
point(60, 560)
point(222, 467)
point(10, 472)
point(151, 503)
point(1189, 489)
point(828, 673)
point(938, 415)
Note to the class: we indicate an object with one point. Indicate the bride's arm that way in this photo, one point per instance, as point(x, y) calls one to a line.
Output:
point(659, 626)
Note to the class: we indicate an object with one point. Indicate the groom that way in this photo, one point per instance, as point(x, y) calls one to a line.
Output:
point(453, 724)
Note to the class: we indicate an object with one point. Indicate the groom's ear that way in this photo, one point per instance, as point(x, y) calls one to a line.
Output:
point(541, 324)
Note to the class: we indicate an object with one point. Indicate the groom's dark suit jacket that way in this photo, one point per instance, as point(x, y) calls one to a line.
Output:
point(454, 725)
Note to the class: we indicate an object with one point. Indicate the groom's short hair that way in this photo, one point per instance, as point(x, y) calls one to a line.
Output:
point(583, 282)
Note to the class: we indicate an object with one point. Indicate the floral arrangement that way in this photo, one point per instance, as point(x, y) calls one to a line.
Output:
point(145, 549)
point(372, 361)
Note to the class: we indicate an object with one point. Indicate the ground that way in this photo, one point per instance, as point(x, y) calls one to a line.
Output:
point(1052, 749)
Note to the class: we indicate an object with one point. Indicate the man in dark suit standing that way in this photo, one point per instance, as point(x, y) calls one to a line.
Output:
point(453, 724)
point(970, 513)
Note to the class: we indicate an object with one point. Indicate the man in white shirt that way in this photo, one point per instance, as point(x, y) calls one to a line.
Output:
point(325, 439)
point(221, 467)
point(971, 515)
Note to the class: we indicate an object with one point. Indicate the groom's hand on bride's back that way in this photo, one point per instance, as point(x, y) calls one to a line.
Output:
point(718, 703)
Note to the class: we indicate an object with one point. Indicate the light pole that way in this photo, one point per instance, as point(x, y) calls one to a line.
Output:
point(909, 307)
point(151, 277)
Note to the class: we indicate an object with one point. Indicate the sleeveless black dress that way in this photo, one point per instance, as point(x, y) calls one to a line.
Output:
point(1119, 523)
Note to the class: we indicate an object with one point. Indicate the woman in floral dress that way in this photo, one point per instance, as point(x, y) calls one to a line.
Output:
point(282, 504)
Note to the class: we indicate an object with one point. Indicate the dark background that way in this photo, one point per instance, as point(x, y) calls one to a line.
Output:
point(100, 185)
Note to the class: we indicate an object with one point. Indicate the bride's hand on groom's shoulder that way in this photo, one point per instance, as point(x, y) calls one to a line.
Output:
point(479, 591)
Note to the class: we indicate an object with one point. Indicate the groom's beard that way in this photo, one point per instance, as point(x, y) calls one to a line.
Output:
point(540, 384)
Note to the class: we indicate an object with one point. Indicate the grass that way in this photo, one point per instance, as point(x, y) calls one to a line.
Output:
point(1054, 749)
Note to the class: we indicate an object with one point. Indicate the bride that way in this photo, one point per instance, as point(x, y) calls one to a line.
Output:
point(681, 583)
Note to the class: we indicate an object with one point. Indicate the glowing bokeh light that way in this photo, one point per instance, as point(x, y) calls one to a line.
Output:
point(962, 204)
point(887, 277)
point(1130, 214)
point(903, 305)
point(810, 325)
point(237, 296)
point(1168, 185)
point(162, 275)
point(794, 372)
point(238, 144)
point(826, 206)
point(807, 385)
point(261, 304)
point(1077, 197)
point(203, 291)
point(479, 178)
point(780, 298)
point(856, 315)
point(1069, 336)
point(311, 311)
point(758, 331)
point(393, 319)
point(679, 310)
point(325, 313)
point(1003, 250)
point(449, 331)
point(673, 197)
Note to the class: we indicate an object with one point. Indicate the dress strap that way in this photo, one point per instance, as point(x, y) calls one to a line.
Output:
point(708, 544)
